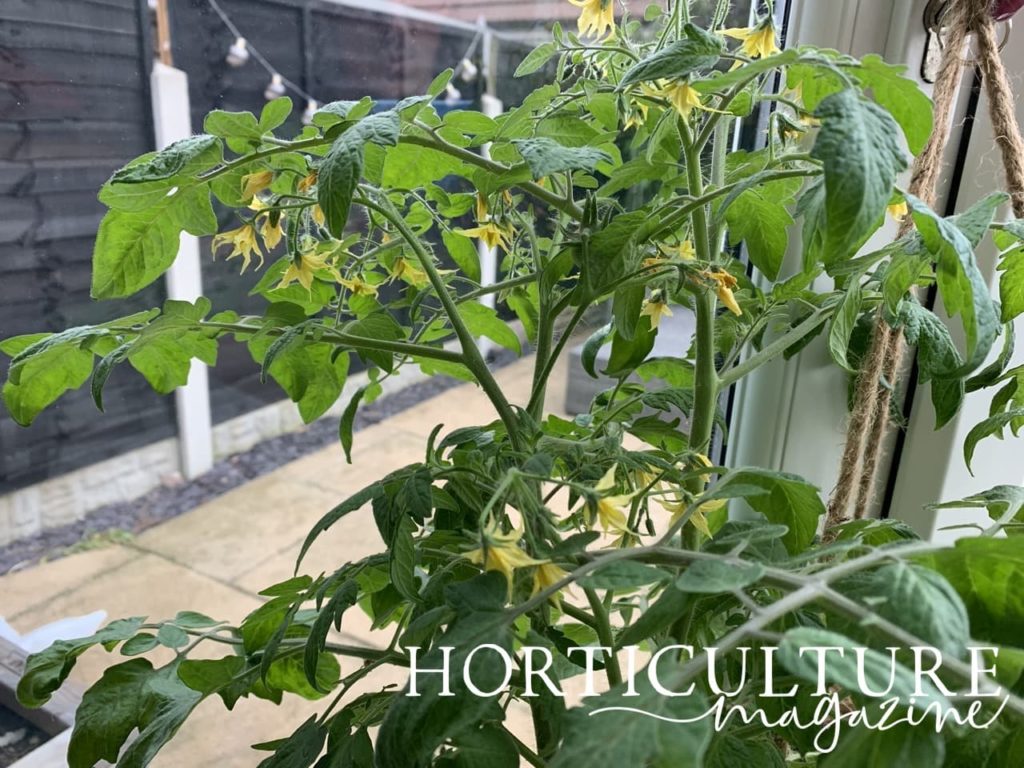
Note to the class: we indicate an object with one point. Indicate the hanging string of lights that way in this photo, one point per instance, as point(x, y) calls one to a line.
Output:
point(241, 51)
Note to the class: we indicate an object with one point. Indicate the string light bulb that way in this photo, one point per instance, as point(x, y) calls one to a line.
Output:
point(238, 53)
point(467, 70)
point(311, 108)
point(275, 88)
point(451, 94)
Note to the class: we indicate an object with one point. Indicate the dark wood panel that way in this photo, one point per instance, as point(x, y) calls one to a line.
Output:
point(42, 177)
point(52, 37)
point(84, 14)
point(34, 65)
point(74, 139)
point(50, 101)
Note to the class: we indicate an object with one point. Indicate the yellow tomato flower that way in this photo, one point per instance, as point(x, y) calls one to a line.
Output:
point(898, 210)
point(757, 42)
point(724, 283)
point(409, 272)
point(492, 235)
point(547, 575)
point(307, 183)
point(318, 215)
point(596, 17)
point(609, 508)
point(243, 243)
point(481, 208)
point(501, 552)
point(359, 287)
point(256, 182)
point(684, 98)
point(636, 115)
point(686, 251)
point(655, 310)
point(304, 268)
point(271, 233)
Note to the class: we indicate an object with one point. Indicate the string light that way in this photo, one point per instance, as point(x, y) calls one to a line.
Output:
point(311, 108)
point(238, 53)
point(275, 88)
point(467, 70)
point(452, 95)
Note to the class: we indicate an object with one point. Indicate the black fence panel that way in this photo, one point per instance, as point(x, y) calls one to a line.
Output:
point(74, 106)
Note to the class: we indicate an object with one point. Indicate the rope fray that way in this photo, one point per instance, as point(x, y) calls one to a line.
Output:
point(869, 418)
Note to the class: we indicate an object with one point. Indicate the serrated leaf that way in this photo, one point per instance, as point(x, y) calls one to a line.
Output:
point(168, 162)
point(482, 320)
point(861, 157)
point(536, 59)
point(992, 426)
point(546, 156)
point(710, 577)
point(678, 60)
point(843, 323)
point(901, 96)
point(342, 167)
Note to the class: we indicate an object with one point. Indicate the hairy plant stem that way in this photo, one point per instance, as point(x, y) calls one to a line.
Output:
point(604, 635)
point(471, 356)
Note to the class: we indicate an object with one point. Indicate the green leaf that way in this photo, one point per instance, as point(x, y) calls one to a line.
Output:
point(900, 95)
point(288, 674)
point(665, 612)
point(233, 125)
point(301, 749)
point(710, 577)
point(344, 597)
point(143, 642)
point(546, 156)
point(861, 157)
point(414, 727)
point(44, 367)
point(881, 672)
point(1004, 503)
point(319, 295)
point(109, 712)
point(169, 161)
point(759, 217)
point(1011, 283)
point(171, 636)
point(482, 320)
point(46, 671)
point(488, 747)
point(463, 253)
point(342, 167)
point(536, 59)
point(677, 61)
point(221, 676)
point(167, 702)
point(164, 350)
point(988, 574)
point(345, 425)
point(627, 354)
point(789, 500)
point(409, 166)
point(308, 371)
point(649, 734)
point(729, 751)
point(274, 113)
point(916, 599)
point(351, 504)
point(937, 354)
point(843, 324)
point(402, 560)
point(133, 248)
point(992, 426)
point(962, 286)
point(623, 575)
point(902, 745)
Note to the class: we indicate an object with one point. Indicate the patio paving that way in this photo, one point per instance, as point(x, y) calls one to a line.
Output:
point(215, 558)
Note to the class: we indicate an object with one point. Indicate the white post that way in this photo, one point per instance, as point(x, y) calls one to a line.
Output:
point(171, 120)
point(491, 106)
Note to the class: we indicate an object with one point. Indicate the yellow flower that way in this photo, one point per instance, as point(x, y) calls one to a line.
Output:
point(318, 215)
point(307, 183)
point(685, 251)
point(636, 115)
point(547, 575)
point(609, 508)
point(243, 243)
point(406, 270)
point(271, 233)
point(898, 210)
point(256, 182)
point(655, 310)
point(481, 208)
point(724, 283)
point(501, 552)
point(304, 268)
point(596, 17)
point(491, 234)
point(758, 42)
point(359, 287)
point(684, 98)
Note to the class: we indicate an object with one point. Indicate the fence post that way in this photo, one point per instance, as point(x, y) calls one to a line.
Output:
point(491, 106)
point(172, 121)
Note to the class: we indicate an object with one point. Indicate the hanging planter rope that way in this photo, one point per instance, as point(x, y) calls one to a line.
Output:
point(869, 418)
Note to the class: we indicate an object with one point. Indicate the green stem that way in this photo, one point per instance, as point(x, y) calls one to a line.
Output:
point(604, 635)
point(471, 356)
point(776, 348)
point(536, 190)
point(540, 382)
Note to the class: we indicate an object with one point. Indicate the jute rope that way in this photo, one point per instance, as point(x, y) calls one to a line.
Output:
point(869, 418)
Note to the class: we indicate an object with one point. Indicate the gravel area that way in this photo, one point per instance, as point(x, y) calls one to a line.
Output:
point(17, 737)
point(168, 501)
